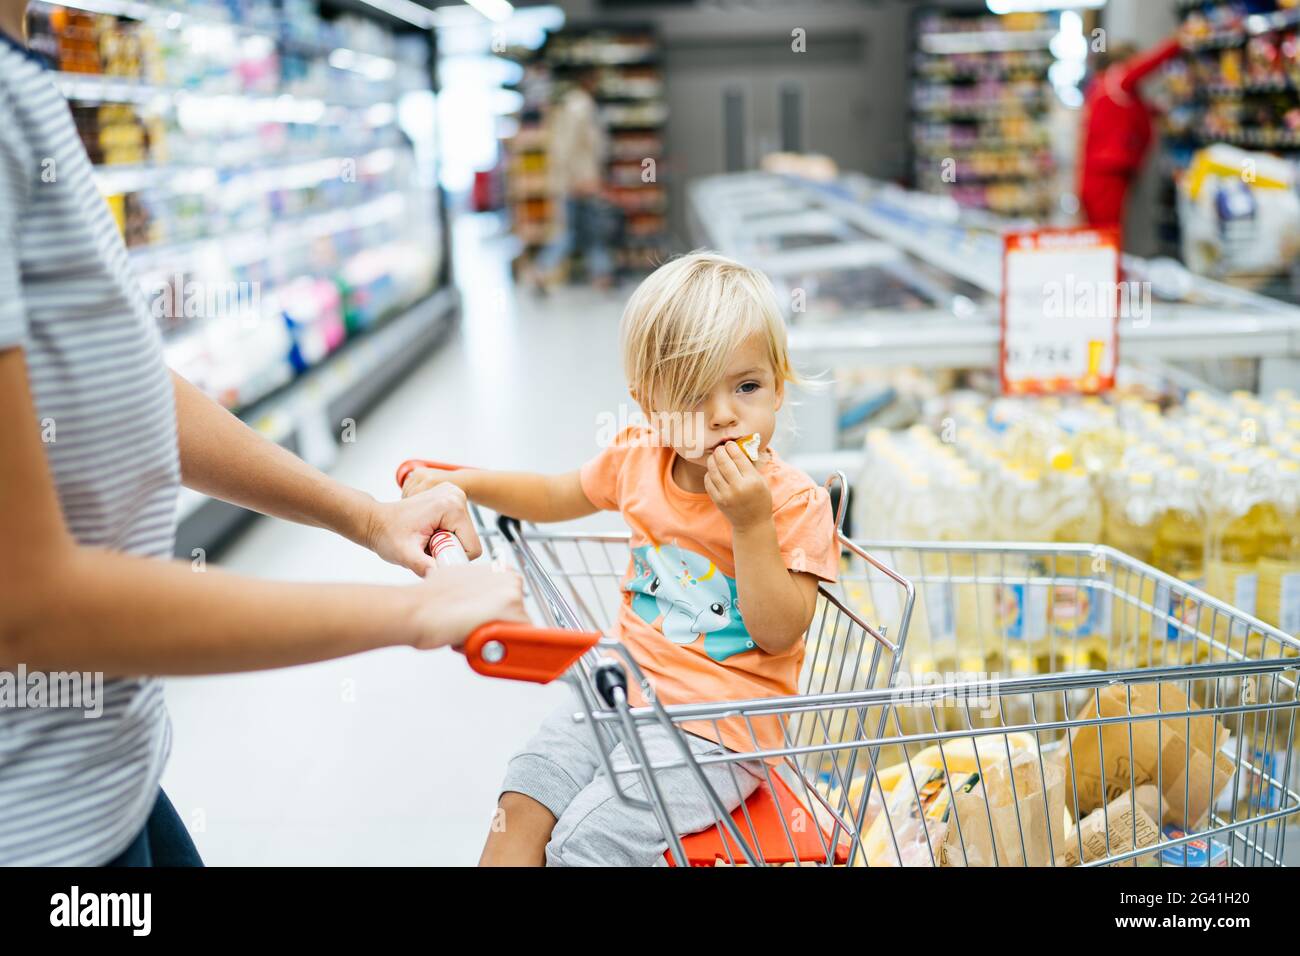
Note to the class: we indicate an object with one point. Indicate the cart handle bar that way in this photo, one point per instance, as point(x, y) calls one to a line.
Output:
point(509, 650)
point(405, 468)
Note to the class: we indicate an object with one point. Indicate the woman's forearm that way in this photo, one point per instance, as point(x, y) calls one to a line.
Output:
point(222, 457)
point(125, 615)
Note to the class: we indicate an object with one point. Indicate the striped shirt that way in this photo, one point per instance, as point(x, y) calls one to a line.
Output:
point(76, 790)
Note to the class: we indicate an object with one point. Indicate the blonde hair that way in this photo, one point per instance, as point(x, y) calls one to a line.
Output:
point(686, 320)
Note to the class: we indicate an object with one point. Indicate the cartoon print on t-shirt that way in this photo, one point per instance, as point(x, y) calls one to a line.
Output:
point(689, 596)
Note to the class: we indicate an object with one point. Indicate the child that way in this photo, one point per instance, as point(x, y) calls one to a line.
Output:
point(726, 558)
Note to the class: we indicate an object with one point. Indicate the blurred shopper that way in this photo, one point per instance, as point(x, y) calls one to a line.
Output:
point(576, 166)
point(97, 440)
point(1116, 129)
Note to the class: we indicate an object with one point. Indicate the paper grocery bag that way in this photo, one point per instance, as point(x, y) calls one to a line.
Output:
point(1179, 755)
point(1014, 816)
point(1130, 821)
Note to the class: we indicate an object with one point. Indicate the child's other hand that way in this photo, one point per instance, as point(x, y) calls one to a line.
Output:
point(737, 488)
point(422, 479)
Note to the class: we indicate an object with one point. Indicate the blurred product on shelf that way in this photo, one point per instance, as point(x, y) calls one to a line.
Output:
point(1240, 213)
point(628, 87)
point(251, 155)
point(1236, 84)
point(980, 99)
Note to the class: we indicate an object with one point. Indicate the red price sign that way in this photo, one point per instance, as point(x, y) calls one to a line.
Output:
point(1060, 299)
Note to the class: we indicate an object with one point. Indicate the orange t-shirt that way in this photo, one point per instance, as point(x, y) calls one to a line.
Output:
point(679, 615)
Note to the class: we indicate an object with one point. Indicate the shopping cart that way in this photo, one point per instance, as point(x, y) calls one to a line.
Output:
point(1146, 723)
point(573, 580)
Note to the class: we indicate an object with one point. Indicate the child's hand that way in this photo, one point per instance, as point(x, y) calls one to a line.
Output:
point(422, 479)
point(737, 488)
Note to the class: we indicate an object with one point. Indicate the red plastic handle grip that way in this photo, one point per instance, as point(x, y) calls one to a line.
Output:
point(522, 652)
point(405, 468)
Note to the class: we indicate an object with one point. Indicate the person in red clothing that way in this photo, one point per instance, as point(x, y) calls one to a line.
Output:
point(1116, 130)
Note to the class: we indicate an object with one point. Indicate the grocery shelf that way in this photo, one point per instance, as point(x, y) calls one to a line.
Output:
point(247, 245)
point(985, 41)
point(275, 216)
point(630, 99)
point(1255, 24)
point(972, 78)
point(272, 107)
point(281, 173)
point(1234, 84)
point(305, 415)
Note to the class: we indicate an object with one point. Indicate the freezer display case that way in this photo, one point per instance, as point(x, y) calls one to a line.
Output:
point(909, 300)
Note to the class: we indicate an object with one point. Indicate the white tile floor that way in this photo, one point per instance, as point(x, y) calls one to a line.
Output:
point(394, 757)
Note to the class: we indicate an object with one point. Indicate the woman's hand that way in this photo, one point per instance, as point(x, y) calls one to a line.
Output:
point(399, 531)
point(737, 488)
point(454, 601)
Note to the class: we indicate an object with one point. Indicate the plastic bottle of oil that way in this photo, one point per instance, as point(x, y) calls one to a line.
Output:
point(1232, 547)
point(975, 603)
point(1075, 628)
point(908, 521)
point(1099, 445)
point(1078, 638)
point(1179, 551)
point(1279, 551)
point(1129, 527)
point(1025, 508)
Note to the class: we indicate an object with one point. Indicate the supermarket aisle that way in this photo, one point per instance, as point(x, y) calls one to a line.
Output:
point(394, 757)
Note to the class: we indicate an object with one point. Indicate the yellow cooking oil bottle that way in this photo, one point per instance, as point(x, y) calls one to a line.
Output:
point(1025, 508)
point(974, 601)
point(1279, 551)
point(1179, 551)
point(910, 520)
point(1098, 447)
point(1278, 603)
point(1232, 548)
point(1129, 526)
point(1078, 620)
point(961, 621)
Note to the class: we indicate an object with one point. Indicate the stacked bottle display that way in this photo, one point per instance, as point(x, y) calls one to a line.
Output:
point(1207, 492)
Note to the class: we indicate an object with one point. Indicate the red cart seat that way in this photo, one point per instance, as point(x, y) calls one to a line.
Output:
point(761, 818)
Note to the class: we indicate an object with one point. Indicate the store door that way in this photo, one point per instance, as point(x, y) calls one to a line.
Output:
point(728, 107)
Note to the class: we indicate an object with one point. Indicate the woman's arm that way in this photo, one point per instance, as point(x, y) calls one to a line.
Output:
point(777, 603)
point(522, 495)
point(222, 457)
point(68, 607)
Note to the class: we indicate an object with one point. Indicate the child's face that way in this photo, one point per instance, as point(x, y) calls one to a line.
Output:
point(743, 402)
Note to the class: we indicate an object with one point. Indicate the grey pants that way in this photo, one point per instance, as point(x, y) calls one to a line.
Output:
point(560, 768)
